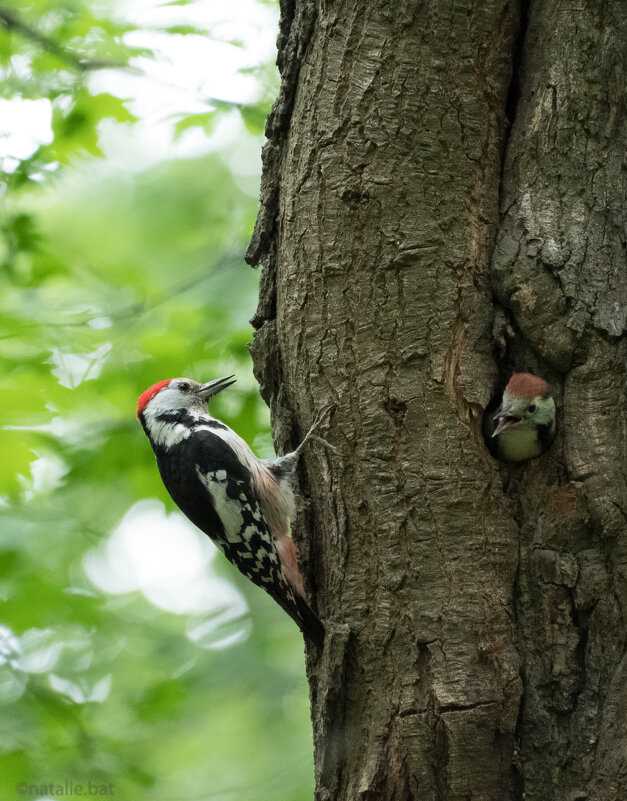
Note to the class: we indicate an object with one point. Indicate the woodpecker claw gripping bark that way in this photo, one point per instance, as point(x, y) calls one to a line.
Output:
point(311, 435)
point(241, 502)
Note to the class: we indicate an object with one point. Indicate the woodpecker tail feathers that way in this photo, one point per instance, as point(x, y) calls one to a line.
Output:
point(291, 601)
point(309, 623)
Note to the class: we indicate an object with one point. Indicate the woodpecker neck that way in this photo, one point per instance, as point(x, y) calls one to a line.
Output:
point(167, 428)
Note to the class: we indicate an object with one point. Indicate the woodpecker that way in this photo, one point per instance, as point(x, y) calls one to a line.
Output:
point(524, 424)
point(241, 502)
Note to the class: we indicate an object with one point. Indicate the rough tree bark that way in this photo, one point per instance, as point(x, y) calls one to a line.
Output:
point(443, 204)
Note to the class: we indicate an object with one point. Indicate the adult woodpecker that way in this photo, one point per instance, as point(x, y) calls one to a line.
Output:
point(524, 425)
point(241, 502)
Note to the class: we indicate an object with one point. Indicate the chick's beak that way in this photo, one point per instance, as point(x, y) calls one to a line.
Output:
point(505, 419)
point(212, 388)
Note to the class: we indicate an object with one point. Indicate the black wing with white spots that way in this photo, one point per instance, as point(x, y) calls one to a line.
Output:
point(213, 489)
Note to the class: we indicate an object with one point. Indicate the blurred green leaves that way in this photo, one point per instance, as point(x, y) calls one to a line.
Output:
point(76, 128)
point(114, 275)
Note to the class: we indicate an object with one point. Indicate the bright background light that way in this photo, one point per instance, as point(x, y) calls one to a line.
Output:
point(186, 76)
point(171, 562)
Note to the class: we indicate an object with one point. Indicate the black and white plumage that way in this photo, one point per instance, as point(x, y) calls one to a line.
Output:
point(523, 425)
point(241, 502)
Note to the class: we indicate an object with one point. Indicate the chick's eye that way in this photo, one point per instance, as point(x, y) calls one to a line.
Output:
point(185, 387)
point(532, 408)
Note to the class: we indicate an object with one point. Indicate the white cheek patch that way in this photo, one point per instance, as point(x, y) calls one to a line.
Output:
point(167, 435)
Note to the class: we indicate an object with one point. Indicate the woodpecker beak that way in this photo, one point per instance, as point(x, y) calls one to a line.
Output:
point(212, 388)
point(505, 420)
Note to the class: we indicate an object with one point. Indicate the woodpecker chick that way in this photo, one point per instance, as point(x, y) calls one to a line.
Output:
point(241, 502)
point(526, 419)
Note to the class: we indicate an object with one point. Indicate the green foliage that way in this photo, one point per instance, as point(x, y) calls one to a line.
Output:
point(111, 672)
point(77, 128)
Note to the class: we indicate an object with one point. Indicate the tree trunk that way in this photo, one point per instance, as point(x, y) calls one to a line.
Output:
point(442, 205)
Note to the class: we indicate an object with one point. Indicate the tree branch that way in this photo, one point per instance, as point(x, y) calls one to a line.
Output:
point(11, 22)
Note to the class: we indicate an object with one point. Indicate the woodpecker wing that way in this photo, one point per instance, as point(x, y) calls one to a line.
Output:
point(213, 488)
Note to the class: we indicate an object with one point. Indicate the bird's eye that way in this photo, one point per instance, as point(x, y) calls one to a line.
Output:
point(185, 387)
point(532, 408)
